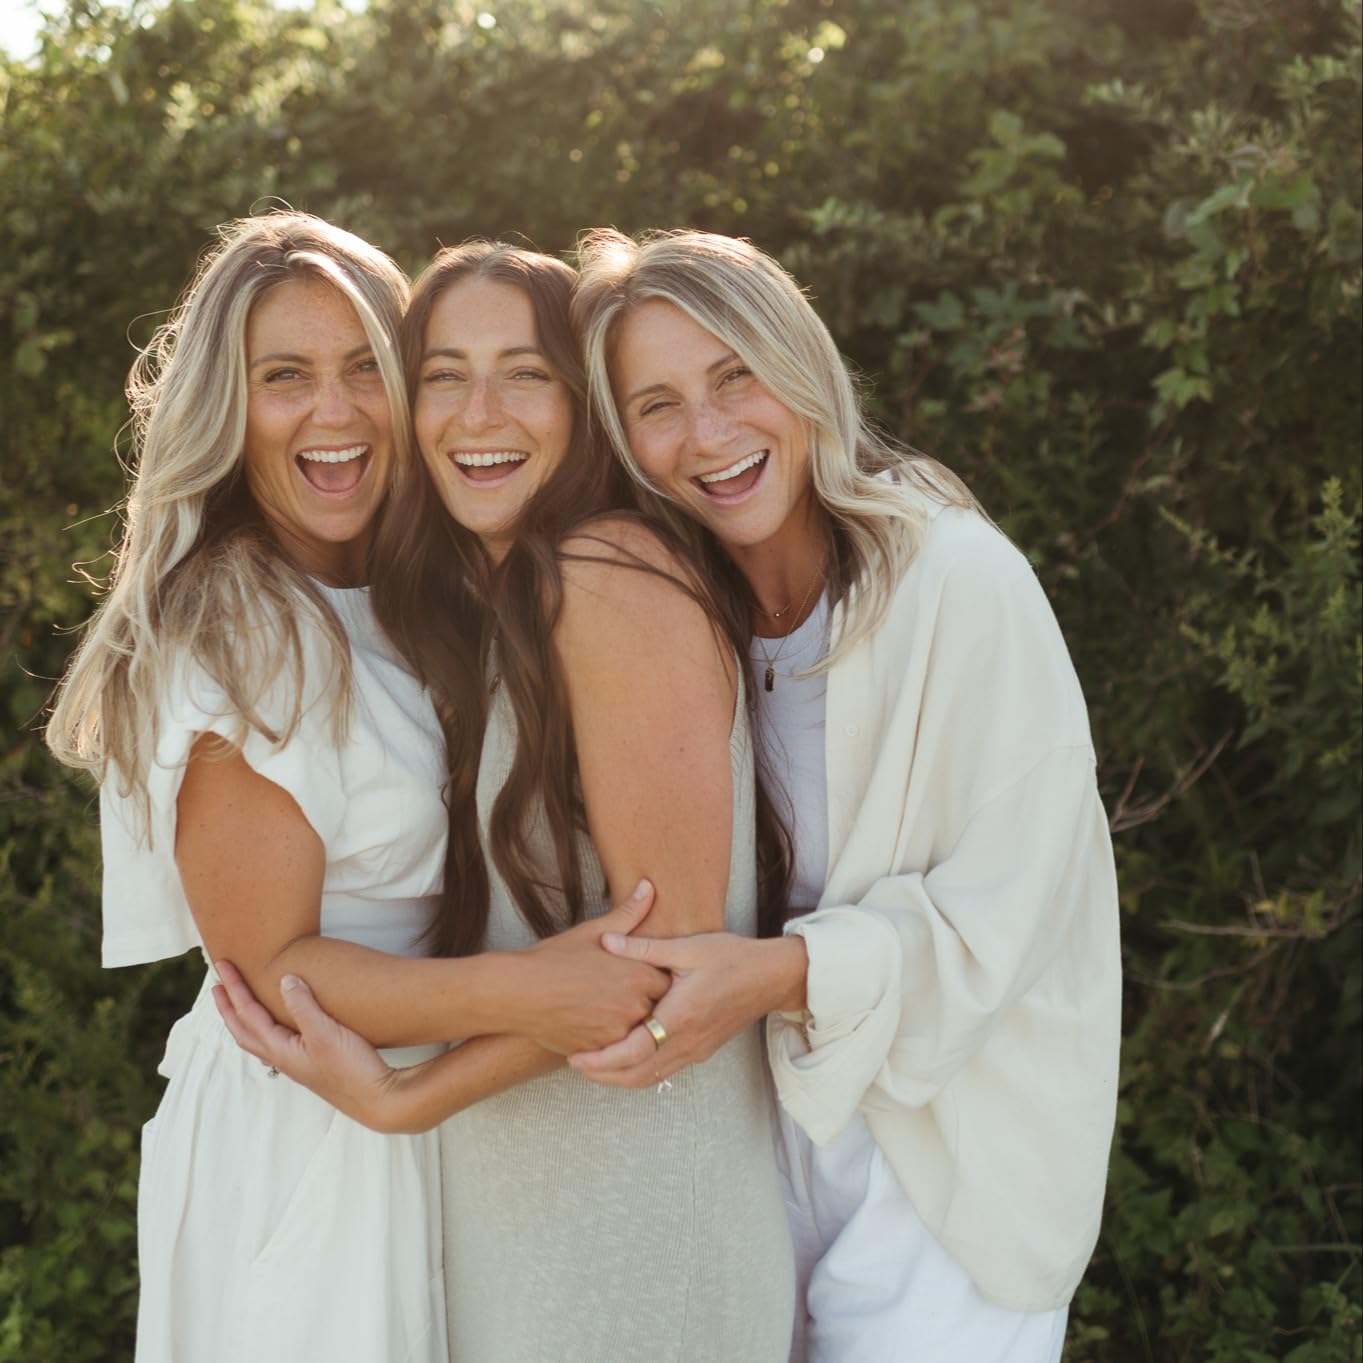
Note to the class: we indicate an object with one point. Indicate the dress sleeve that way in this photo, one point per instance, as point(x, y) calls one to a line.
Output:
point(146, 915)
point(306, 764)
point(911, 975)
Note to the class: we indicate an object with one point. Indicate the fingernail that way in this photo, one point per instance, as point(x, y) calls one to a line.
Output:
point(290, 982)
point(641, 891)
point(612, 941)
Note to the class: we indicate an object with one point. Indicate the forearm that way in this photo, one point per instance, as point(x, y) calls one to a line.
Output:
point(397, 1000)
point(424, 1096)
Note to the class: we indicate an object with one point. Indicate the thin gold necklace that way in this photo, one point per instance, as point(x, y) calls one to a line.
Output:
point(769, 677)
point(773, 615)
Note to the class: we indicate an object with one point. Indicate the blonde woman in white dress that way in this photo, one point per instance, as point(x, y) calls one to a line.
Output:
point(943, 1009)
point(271, 777)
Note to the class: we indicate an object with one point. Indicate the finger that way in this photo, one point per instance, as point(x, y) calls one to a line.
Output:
point(659, 951)
point(268, 1035)
point(624, 918)
point(647, 1075)
point(312, 1020)
point(227, 973)
point(628, 1053)
point(233, 1023)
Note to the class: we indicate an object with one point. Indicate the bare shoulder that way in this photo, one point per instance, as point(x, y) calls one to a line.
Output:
point(621, 539)
point(628, 593)
point(629, 562)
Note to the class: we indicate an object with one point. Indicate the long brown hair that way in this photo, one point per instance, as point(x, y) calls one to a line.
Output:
point(441, 600)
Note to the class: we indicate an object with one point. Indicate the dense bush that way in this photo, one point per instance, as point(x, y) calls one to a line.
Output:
point(1103, 256)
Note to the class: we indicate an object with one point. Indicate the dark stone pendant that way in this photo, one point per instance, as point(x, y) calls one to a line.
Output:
point(770, 678)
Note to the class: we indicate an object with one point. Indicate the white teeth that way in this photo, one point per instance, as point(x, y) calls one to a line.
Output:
point(476, 461)
point(332, 456)
point(734, 469)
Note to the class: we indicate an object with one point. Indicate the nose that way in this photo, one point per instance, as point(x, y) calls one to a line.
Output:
point(482, 406)
point(335, 403)
point(710, 427)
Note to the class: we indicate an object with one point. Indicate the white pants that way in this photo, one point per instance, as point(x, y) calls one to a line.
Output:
point(877, 1286)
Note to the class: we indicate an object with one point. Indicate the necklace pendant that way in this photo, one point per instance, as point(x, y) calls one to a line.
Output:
point(770, 679)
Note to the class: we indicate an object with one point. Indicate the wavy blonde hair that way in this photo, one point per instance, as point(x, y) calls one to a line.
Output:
point(747, 300)
point(197, 575)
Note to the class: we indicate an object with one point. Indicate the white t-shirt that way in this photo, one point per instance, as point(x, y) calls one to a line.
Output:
point(789, 732)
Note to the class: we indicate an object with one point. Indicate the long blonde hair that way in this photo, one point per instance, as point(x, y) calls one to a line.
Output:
point(197, 575)
point(874, 493)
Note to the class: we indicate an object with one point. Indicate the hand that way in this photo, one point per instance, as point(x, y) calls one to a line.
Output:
point(581, 997)
point(338, 1065)
point(722, 984)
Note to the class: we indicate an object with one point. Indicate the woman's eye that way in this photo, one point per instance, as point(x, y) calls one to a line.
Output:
point(369, 366)
point(282, 375)
point(740, 371)
point(439, 376)
point(649, 408)
point(533, 375)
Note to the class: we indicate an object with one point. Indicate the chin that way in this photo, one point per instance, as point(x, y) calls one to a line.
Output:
point(738, 532)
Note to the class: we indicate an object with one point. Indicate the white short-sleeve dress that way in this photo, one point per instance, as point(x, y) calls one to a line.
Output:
point(271, 1228)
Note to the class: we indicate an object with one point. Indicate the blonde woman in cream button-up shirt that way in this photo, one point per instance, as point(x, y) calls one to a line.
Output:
point(943, 1025)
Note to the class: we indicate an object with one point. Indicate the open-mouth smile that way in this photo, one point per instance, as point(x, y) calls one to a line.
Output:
point(334, 472)
point(735, 481)
point(488, 468)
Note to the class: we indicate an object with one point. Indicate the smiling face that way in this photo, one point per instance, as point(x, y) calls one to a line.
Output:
point(319, 428)
point(706, 432)
point(493, 417)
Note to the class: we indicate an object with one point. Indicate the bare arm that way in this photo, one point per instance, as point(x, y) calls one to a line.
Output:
point(652, 690)
point(652, 694)
point(252, 868)
point(341, 1067)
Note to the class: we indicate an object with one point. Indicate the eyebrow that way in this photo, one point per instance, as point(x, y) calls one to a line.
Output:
point(285, 357)
point(453, 353)
point(728, 357)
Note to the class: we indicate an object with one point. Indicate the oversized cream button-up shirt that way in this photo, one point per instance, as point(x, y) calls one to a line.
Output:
point(964, 980)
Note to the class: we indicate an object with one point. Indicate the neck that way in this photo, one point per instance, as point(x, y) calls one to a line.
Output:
point(333, 565)
point(785, 573)
point(497, 548)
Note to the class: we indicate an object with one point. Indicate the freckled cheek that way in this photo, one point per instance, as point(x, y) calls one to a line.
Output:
point(265, 453)
point(550, 420)
point(653, 460)
point(380, 414)
point(438, 468)
point(429, 421)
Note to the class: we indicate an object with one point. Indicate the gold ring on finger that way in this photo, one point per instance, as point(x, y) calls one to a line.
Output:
point(656, 1030)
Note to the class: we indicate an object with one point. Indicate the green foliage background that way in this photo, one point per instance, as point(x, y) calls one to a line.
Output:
point(1102, 256)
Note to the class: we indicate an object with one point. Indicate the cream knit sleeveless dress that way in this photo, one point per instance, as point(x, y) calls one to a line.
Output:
point(589, 1224)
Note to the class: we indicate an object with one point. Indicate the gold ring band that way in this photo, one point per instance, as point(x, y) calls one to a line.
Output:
point(656, 1030)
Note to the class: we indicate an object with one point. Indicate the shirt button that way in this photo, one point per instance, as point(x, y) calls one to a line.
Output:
point(852, 731)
